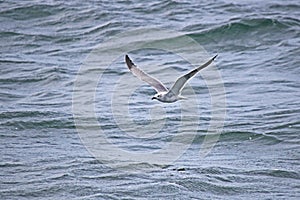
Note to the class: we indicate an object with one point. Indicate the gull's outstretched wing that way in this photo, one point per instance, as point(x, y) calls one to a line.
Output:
point(158, 86)
point(181, 81)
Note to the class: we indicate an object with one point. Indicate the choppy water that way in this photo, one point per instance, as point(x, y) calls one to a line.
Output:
point(43, 46)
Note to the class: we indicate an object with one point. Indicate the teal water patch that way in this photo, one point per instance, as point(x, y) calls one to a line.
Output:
point(26, 120)
point(24, 13)
point(239, 35)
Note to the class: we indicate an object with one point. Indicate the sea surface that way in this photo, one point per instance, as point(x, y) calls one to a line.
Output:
point(48, 135)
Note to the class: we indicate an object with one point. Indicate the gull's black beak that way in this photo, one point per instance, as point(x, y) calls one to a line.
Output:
point(153, 98)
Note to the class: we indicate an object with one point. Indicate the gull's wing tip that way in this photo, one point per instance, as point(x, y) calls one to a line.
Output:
point(156, 84)
point(128, 62)
point(215, 57)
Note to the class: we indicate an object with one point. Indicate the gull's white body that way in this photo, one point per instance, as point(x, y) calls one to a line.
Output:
point(163, 94)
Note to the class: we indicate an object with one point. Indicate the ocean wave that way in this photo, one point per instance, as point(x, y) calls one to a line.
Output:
point(22, 120)
point(250, 32)
point(21, 12)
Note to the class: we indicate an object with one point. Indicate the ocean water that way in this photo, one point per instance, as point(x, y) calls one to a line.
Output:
point(46, 133)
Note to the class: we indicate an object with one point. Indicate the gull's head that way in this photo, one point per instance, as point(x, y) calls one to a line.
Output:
point(166, 97)
point(158, 97)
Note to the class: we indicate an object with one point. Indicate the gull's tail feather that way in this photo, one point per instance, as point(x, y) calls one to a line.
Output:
point(182, 98)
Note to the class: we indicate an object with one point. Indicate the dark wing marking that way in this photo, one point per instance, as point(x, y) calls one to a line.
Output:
point(158, 86)
point(181, 81)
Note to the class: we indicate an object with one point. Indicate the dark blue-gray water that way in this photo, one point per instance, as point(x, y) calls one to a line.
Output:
point(44, 44)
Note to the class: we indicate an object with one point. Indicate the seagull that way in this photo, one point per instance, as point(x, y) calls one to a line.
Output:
point(163, 94)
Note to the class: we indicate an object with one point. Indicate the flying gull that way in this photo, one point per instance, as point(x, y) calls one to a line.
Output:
point(163, 94)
